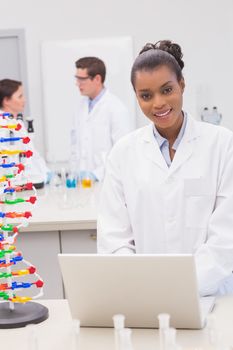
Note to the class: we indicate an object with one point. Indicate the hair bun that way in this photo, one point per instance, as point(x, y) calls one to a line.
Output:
point(168, 46)
point(147, 47)
point(172, 48)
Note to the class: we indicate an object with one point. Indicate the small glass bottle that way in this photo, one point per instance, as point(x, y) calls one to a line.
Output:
point(216, 116)
point(205, 115)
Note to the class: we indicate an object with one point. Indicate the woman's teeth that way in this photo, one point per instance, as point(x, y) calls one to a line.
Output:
point(164, 114)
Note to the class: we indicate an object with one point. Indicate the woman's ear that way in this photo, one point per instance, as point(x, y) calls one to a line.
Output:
point(182, 84)
point(5, 102)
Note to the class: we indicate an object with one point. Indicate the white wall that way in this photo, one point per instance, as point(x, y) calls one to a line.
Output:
point(204, 29)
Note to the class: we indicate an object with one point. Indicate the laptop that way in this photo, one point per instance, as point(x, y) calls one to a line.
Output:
point(137, 286)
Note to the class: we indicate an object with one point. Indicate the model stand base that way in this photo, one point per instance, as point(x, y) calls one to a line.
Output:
point(22, 314)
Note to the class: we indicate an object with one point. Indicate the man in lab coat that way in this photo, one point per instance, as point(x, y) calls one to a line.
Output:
point(101, 119)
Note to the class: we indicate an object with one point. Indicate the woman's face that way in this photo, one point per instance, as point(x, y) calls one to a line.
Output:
point(15, 104)
point(160, 97)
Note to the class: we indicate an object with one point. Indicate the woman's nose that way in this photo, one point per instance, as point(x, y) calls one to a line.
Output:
point(158, 101)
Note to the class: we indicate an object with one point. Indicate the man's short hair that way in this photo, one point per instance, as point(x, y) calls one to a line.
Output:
point(94, 66)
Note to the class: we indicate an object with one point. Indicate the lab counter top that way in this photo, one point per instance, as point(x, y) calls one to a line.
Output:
point(54, 333)
point(64, 209)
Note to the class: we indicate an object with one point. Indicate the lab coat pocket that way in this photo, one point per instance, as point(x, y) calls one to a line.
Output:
point(199, 202)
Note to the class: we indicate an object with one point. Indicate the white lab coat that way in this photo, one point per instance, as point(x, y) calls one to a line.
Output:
point(95, 133)
point(148, 207)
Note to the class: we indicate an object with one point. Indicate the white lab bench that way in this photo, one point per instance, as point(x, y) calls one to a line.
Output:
point(54, 332)
point(62, 222)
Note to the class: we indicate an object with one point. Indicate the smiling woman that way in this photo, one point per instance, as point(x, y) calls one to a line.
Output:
point(164, 192)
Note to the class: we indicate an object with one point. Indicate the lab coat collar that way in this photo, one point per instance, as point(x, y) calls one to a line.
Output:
point(97, 106)
point(184, 151)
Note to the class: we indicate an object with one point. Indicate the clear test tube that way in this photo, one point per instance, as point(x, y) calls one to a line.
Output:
point(119, 324)
point(211, 329)
point(32, 338)
point(164, 321)
point(170, 339)
point(215, 336)
point(63, 177)
point(125, 340)
point(75, 334)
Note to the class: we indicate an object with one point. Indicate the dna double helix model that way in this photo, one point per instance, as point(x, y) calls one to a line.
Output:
point(17, 195)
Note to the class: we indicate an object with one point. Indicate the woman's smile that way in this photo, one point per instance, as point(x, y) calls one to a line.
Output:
point(162, 114)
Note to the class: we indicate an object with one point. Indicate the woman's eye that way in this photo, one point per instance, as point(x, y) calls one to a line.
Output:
point(167, 90)
point(145, 97)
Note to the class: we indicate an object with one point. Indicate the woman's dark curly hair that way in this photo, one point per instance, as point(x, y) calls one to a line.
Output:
point(162, 53)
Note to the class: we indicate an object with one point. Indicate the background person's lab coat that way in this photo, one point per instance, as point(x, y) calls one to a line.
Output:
point(184, 208)
point(95, 132)
point(36, 169)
